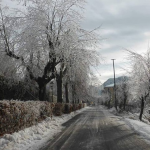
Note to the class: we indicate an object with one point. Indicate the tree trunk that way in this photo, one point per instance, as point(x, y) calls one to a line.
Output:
point(142, 108)
point(124, 104)
point(42, 89)
point(42, 92)
point(66, 92)
point(73, 94)
point(59, 87)
point(108, 104)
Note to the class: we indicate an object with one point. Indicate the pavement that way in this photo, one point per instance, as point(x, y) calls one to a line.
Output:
point(97, 129)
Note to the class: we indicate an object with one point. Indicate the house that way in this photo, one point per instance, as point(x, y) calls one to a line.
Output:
point(110, 90)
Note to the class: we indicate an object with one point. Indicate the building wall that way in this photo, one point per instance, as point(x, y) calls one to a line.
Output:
point(110, 90)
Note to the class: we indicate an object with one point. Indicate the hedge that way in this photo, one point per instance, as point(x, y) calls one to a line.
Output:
point(17, 115)
point(12, 89)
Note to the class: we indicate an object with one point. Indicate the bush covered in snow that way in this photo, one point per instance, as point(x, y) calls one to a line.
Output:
point(58, 109)
point(66, 108)
point(17, 115)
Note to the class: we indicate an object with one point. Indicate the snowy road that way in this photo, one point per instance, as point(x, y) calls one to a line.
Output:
point(96, 129)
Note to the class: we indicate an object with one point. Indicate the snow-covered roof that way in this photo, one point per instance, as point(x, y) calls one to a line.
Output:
point(110, 85)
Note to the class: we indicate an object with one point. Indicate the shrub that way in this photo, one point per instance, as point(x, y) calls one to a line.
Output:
point(12, 89)
point(58, 109)
point(17, 115)
point(67, 108)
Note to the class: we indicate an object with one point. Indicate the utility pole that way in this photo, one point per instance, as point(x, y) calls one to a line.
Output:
point(114, 85)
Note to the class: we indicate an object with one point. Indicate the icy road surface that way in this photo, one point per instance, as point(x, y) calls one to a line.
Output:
point(96, 129)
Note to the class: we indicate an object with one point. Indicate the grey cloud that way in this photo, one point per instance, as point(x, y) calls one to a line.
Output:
point(128, 20)
point(133, 15)
point(129, 24)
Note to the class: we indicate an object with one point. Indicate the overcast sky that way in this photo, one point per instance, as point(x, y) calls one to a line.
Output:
point(125, 25)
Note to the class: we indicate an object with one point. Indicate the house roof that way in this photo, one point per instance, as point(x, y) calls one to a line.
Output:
point(110, 85)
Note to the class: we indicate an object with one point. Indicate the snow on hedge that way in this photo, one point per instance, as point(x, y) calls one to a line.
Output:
point(35, 137)
point(17, 115)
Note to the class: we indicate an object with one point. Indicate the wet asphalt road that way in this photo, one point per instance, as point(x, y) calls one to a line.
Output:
point(95, 129)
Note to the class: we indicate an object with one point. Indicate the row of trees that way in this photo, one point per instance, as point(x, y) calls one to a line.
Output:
point(42, 40)
point(135, 90)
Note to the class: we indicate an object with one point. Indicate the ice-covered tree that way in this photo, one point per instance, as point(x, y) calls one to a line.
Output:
point(44, 36)
point(140, 76)
point(8, 67)
point(123, 92)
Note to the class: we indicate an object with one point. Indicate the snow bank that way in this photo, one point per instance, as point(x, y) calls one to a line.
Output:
point(113, 110)
point(35, 137)
point(132, 120)
point(140, 127)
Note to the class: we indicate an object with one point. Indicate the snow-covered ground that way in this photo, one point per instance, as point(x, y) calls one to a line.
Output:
point(132, 120)
point(33, 138)
point(140, 127)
